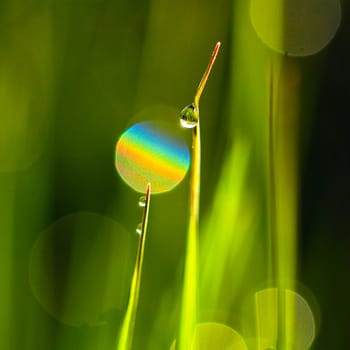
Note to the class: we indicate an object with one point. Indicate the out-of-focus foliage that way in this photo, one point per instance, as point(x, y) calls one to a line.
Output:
point(74, 75)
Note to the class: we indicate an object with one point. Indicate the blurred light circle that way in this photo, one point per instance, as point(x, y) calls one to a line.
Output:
point(213, 335)
point(296, 27)
point(80, 268)
point(300, 327)
point(151, 152)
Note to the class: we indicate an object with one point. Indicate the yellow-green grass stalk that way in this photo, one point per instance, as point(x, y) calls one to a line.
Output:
point(287, 185)
point(127, 329)
point(273, 261)
point(190, 118)
point(231, 218)
point(282, 188)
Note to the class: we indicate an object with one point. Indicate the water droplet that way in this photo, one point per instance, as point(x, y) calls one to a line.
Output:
point(189, 116)
point(139, 229)
point(142, 201)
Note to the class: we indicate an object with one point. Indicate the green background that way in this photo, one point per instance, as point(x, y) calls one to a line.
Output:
point(74, 74)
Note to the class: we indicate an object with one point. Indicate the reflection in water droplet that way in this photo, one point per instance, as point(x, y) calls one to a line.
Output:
point(139, 229)
point(189, 116)
point(151, 152)
point(81, 267)
point(142, 201)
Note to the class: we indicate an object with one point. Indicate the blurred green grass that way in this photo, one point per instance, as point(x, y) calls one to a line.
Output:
point(75, 74)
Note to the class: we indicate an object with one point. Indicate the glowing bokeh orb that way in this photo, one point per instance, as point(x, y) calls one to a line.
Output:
point(213, 335)
point(150, 152)
point(81, 268)
point(296, 27)
point(300, 327)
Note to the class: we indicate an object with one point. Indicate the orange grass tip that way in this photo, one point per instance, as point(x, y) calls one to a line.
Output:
point(206, 74)
point(190, 114)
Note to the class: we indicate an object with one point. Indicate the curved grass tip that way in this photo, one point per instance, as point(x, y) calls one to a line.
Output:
point(206, 74)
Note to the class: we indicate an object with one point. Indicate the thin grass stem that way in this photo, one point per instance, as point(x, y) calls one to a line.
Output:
point(272, 256)
point(206, 74)
point(189, 294)
point(127, 330)
point(274, 237)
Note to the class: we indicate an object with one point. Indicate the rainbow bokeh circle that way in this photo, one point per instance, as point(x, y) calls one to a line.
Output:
point(151, 152)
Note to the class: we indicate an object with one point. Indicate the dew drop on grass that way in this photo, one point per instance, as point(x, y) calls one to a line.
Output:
point(139, 229)
point(152, 152)
point(142, 201)
point(189, 116)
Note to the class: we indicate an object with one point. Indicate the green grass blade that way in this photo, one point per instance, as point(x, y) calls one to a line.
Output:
point(188, 318)
point(127, 329)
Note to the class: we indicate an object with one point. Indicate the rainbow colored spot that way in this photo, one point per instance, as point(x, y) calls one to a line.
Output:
point(149, 152)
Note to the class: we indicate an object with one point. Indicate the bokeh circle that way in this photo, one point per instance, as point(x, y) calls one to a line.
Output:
point(300, 326)
point(80, 268)
point(151, 152)
point(296, 27)
point(214, 335)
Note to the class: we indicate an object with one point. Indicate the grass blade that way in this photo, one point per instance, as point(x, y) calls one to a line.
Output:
point(189, 294)
point(127, 330)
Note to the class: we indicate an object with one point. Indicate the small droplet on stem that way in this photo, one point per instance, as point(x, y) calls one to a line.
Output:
point(190, 119)
point(139, 229)
point(127, 330)
point(142, 201)
point(189, 116)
